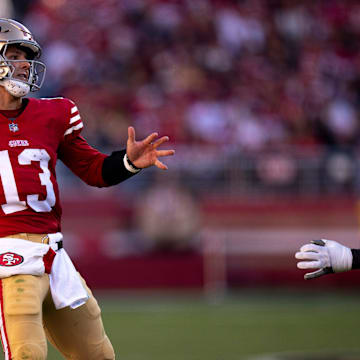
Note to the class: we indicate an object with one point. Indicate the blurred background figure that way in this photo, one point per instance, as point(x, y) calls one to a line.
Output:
point(171, 225)
point(261, 101)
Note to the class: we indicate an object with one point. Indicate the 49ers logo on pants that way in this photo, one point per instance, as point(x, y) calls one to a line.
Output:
point(10, 259)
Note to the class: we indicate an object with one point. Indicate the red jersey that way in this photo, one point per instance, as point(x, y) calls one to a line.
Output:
point(30, 145)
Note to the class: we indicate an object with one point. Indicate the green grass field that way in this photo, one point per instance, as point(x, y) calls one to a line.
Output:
point(245, 325)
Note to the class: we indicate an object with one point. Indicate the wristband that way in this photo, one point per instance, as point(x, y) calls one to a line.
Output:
point(129, 165)
point(356, 258)
point(113, 169)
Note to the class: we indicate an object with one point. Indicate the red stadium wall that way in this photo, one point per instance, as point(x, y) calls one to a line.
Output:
point(252, 243)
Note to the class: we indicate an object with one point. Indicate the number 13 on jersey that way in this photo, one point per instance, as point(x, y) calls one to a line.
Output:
point(13, 203)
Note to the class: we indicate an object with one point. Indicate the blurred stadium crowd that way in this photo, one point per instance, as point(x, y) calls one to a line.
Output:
point(239, 78)
point(260, 98)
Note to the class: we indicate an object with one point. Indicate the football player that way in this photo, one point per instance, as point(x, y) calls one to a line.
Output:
point(326, 257)
point(41, 296)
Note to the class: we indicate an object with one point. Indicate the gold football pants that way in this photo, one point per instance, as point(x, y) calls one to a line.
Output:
point(29, 317)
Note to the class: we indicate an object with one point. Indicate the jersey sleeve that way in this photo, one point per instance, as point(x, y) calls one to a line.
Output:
point(89, 164)
point(73, 123)
point(83, 160)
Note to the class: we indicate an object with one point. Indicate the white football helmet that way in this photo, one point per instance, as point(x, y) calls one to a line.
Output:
point(14, 33)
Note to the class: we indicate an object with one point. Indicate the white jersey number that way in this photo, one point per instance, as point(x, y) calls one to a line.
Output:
point(13, 203)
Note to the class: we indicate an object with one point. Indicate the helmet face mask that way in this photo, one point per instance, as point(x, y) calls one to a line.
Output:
point(37, 69)
point(15, 34)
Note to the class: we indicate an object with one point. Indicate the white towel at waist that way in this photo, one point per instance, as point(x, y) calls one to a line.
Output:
point(18, 256)
point(65, 283)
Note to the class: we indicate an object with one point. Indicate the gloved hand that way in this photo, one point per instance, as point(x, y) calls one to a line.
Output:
point(325, 255)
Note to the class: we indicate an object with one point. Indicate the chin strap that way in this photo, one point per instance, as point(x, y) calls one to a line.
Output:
point(16, 88)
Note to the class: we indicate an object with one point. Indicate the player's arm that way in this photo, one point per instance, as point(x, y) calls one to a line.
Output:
point(100, 170)
point(137, 155)
point(92, 166)
point(327, 256)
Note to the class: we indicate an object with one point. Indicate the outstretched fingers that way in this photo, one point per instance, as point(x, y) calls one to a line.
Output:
point(307, 255)
point(147, 149)
point(160, 141)
point(131, 134)
point(160, 165)
point(149, 139)
point(165, 152)
point(160, 153)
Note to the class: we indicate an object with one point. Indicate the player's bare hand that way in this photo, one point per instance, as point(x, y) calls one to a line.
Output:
point(146, 152)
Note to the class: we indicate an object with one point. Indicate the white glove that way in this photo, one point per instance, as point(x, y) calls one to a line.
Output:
point(325, 255)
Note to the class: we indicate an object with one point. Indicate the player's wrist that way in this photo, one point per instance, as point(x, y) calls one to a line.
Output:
point(114, 170)
point(356, 258)
point(340, 255)
point(129, 165)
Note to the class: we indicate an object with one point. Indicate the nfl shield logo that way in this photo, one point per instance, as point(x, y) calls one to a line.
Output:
point(13, 127)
